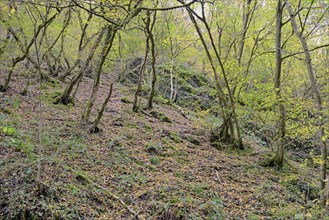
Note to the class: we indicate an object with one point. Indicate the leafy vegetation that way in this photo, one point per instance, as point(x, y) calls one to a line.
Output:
point(173, 109)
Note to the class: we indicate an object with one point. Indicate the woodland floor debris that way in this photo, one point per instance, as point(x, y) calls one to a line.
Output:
point(186, 179)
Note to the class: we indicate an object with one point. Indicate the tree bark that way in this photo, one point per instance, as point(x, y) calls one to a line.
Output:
point(228, 109)
point(154, 76)
point(141, 71)
point(279, 158)
point(18, 59)
point(65, 98)
point(318, 102)
point(94, 127)
point(110, 35)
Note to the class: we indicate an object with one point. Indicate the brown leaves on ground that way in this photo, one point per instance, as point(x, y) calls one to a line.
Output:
point(161, 170)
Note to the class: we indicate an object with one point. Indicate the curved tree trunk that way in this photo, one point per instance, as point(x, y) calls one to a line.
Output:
point(154, 76)
point(110, 35)
point(65, 98)
point(94, 128)
point(228, 107)
point(26, 52)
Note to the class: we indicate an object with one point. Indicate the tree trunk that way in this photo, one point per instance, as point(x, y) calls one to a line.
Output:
point(16, 60)
point(141, 71)
point(277, 84)
point(110, 35)
point(154, 76)
point(94, 128)
point(65, 97)
point(80, 49)
point(319, 104)
point(228, 107)
point(172, 90)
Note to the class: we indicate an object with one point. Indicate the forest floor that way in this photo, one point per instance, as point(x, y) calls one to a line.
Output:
point(159, 168)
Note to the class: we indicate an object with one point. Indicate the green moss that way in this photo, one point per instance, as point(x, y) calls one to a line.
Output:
point(154, 160)
point(161, 116)
point(51, 96)
point(125, 100)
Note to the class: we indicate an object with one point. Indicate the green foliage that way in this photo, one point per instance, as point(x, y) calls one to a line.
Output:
point(161, 116)
point(9, 131)
point(175, 137)
point(154, 160)
point(213, 208)
point(154, 148)
point(125, 100)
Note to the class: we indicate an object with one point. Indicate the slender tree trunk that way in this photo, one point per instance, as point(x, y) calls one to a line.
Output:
point(65, 97)
point(228, 106)
point(154, 76)
point(277, 84)
point(141, 71)
point(245, 21)
point(172, 91)
point(318, 102)
point(120, 65)
point(80, 49)
point(175, 88)
point(18, 59)
point(246, 18)
point(110, 35)
point(94, 127)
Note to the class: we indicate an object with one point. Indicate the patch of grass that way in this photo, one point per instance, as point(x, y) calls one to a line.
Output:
point(154, 160)
point(161, 116)
point(73, 189)
point(161, 99)
point(175, 137)
point(51, 83)
point(8, 131)
point(125, 100)
point(116, 142)
point(21, 141)
point(16, 103)
point(154, 148)
point(129, 180)
point(148, 128)
point(50, 97)
point(213, 209)
point(199, 189)
point(170, 145)
point(181, 157)
point(131, 125)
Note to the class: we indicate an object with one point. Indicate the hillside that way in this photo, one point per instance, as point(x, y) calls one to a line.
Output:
point(161, 167)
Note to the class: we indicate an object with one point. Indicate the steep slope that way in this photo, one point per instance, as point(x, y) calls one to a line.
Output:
point(159, 167)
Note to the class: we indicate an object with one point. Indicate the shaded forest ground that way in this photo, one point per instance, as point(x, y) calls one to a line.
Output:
point(162, 169)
